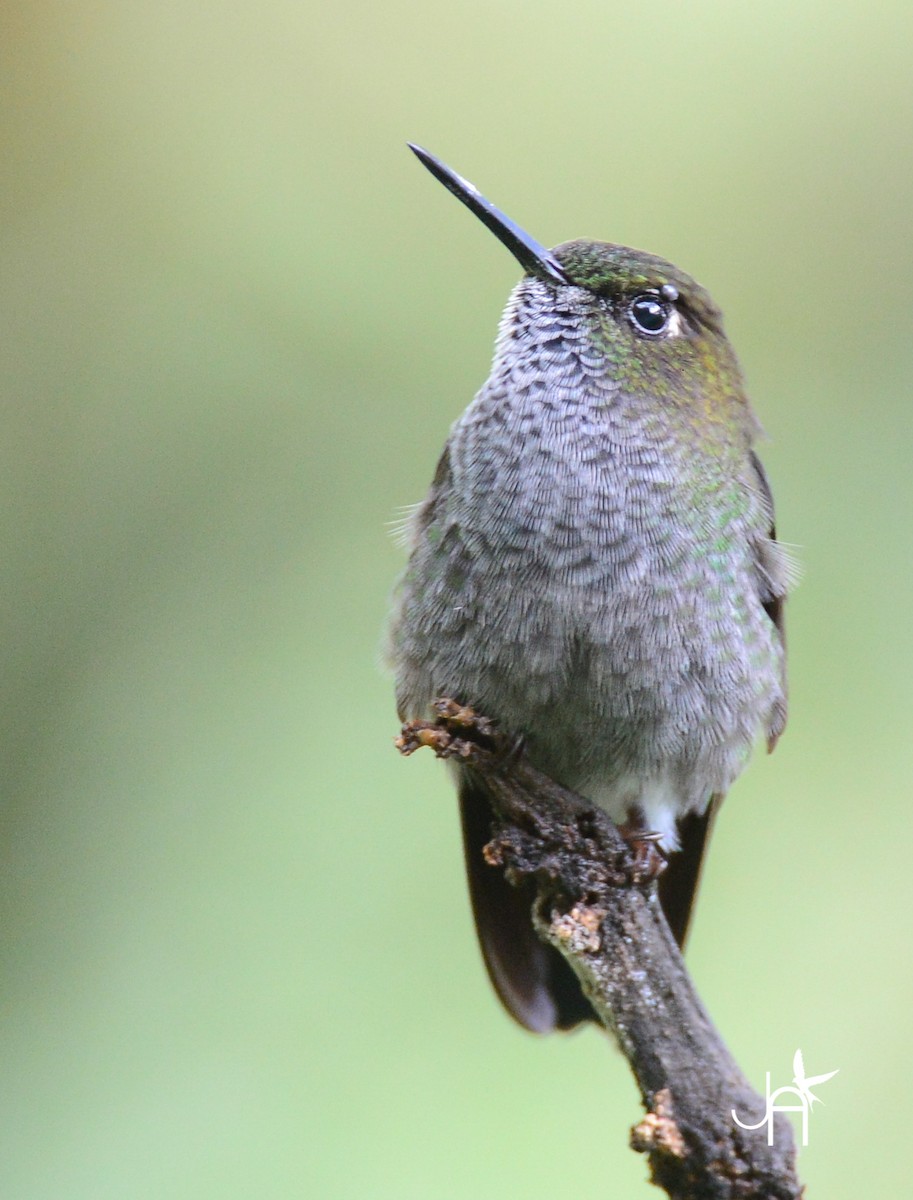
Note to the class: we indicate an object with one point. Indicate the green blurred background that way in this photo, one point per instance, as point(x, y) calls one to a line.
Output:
point(238, 320)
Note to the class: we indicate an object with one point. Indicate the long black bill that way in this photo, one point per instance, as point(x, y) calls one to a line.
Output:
point(531, 256)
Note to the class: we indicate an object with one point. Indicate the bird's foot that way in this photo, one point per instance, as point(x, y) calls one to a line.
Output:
point(649, 859)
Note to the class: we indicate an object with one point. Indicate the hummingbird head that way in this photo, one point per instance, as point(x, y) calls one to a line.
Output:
point(657, 331)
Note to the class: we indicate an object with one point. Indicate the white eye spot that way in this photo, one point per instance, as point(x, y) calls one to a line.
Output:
point(654, 314)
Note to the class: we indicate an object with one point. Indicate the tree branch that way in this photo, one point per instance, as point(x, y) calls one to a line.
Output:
point(612, 932)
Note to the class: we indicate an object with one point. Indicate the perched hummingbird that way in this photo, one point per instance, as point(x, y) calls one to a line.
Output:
point(596, 568)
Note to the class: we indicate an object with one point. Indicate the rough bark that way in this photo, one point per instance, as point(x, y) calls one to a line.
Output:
point(612, 932)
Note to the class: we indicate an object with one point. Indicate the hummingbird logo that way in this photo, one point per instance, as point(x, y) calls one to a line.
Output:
point(800, 1089)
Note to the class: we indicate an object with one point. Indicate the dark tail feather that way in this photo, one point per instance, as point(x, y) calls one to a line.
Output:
point(535, 984)
point(678, 883)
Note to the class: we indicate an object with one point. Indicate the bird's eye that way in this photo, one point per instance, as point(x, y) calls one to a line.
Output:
point(649, 314)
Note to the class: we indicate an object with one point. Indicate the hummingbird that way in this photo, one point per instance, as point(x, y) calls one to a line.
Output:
point(595, 567)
